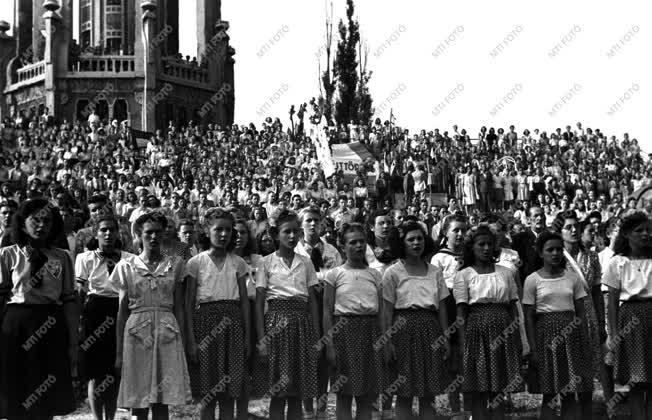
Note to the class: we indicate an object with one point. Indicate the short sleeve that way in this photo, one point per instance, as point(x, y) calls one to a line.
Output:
point(192, 267)
point(461, 287)
point(389, 286)
point(530, 290)
point(241, 267)
point(578, 288)
point(511, 282)
point(118, 277)
point(81, 271)
point(311, 274)
point(261, 274)
point(442, 290)
point(611, 275)
point(331, 277)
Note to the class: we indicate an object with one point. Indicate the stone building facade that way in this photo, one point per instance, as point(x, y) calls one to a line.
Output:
point(126, 65)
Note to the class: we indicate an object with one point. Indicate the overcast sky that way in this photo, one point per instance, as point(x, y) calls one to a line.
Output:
point(471, 63)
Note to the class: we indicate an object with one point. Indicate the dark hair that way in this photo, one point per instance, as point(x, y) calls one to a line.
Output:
point(468, 255)
point(249, 248)
point(348, 228)
point(629, 223)
point(397, 242)
point(26, 209)
point(185, 222)
point(544, 237)
point(593, 214)
point(283, 216)
point(98, 198)
point(9, 203)
point(606, 229)
point(448, 220)
point(261, 235)
point(558, 223)
point(150, 217)
point(214, 214)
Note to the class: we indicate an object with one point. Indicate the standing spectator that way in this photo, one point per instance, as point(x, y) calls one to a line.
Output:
point(149, 323)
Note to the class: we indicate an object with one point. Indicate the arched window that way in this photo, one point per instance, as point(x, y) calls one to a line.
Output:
point(120, 110)
point(102, 109)
point(82, 110)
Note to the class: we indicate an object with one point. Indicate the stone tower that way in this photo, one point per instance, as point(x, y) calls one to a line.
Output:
point(126, 65)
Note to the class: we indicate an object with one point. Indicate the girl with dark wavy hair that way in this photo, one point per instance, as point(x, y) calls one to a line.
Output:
point(554, 312)
point(413, 294)
point(486, 296)
point(586, 264)
point(629, 278)
point(36, 294)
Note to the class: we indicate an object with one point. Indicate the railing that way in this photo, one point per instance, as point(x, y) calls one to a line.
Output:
point(105, 63)
point(184, 71)
point(31, 71)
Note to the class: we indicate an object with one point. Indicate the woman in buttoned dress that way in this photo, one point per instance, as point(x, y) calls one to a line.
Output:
point(287, 335)
point(554, 313)
point(150, 350)
point(352, 313)
point(414, 319)
point(38, 318)
point(486, 297)
point(218, 319)
point(629, 278)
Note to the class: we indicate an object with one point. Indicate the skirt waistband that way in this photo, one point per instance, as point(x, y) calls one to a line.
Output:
point(225, 302)
point(288, 304)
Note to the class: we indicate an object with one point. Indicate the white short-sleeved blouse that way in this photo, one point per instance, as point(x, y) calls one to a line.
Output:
point(356, 290)
point(553, 295)
point(632, 277)
point(215, 284)
point(498, 287)
point(283, 282)
point(413, 292)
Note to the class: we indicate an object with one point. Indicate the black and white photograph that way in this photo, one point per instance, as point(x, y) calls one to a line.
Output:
point(325, 209)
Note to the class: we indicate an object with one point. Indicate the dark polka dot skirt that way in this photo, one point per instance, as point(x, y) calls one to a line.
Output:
point(359, 355)
point(420, 369)
point(219, 333)
point(564, 365)
point(492, 351)
point(633, 350)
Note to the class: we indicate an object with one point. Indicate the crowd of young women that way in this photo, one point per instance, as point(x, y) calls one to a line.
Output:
point(385, 317)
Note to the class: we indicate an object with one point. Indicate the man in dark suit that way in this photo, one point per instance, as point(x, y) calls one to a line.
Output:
point(524, 242)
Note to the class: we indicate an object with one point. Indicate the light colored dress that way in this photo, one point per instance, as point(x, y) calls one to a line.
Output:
point(154, 366)
point(470, 190)
point(508, 188)
point(523, 188)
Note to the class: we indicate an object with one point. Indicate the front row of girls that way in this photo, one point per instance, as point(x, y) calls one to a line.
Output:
point(186, 329)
